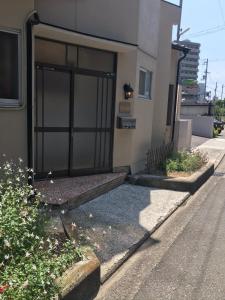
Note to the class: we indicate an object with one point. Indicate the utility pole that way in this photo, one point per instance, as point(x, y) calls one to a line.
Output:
point(205, 77)
point(215, 96)
point(179, 25)
point(222, 92)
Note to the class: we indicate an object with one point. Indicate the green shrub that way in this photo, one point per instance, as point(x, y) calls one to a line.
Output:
point(30, 261)
point(185, 162)
point(215, 132)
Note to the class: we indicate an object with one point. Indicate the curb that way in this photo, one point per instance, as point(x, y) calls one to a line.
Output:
point(183, 184)
point(82, 280)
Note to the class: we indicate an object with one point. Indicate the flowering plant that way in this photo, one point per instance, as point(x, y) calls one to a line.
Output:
point(30, 261)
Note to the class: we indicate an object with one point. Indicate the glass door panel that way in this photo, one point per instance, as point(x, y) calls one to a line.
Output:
point(52, 122)
point(93, 127)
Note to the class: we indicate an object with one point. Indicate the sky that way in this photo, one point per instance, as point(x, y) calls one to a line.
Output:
point(206, 16)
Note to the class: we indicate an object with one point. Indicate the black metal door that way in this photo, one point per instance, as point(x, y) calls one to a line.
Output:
point(93, 116)
point(74, 121)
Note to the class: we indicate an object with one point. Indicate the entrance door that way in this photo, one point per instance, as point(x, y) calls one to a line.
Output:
point(93, 124)
point(52, 122)
point(73, 122)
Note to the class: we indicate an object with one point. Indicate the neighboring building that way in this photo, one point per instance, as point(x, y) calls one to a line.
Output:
point(62, 76)
point(190, 90)
point(189, 66)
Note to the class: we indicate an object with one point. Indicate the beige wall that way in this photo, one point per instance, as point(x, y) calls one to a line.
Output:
point(123, 138)
point(111, 19)
point(170, 15)
point(148, 23)
point(173, 78)
point(148, 33)
point(13, 126)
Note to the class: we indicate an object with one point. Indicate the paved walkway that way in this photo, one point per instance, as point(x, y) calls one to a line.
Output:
point(197, 141)
point(117, 222)
point(214, 148)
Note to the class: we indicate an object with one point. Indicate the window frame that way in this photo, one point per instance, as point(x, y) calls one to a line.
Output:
point(7, 102)
point(149, 96)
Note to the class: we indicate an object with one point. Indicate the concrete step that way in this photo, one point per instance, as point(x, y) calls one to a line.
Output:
point(70, 193)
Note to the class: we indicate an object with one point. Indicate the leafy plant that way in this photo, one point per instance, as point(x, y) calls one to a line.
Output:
point(185, 162)
point(30, 261)
point(215, 132)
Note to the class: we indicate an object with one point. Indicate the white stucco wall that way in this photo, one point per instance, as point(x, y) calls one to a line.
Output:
point(183, 135)
point(148, 32)
point(13, 121)
point(170, 15)
point(201, 125)
point(111, 19)
point(194, 110)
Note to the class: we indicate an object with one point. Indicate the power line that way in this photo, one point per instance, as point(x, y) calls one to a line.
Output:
point(207, 31)
point(221, 10)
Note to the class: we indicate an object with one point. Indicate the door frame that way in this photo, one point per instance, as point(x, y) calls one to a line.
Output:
point(73, 71)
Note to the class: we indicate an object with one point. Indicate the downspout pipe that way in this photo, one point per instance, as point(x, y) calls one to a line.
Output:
point(185, 52)
point(32, 21)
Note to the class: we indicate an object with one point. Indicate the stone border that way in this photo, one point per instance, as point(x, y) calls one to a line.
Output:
point(82, 280)
point(184, 184)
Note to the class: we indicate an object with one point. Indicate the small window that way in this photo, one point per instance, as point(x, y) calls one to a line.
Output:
point(145, 84)
point(9, 68)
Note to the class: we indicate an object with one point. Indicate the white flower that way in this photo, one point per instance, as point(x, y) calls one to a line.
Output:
point(6, 257)
point(73, 225)
point(51, 181)
point(52, 276)
point(88, 238)
point(110, 227)
point(7, 243)
point(50, 173)
point(90, 216)
point(56, 242)
point(27, 254)
point(25, 284)
point(20, 160)
point(34, 267)
point(63, 211)
point(96, 245)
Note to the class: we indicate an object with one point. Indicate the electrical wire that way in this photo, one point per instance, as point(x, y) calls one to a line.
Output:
point(221, 11)
point(207, 31)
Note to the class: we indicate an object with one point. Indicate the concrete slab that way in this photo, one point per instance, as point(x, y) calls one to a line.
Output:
point(64, 190)
point(116, 223)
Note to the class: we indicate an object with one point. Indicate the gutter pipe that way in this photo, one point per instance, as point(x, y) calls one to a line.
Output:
point(32, 21)
point(185, 52)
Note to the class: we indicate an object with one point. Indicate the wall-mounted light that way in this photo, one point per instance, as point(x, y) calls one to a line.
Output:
point(128, 91)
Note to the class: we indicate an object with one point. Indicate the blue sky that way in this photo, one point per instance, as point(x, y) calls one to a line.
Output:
point(201, 15)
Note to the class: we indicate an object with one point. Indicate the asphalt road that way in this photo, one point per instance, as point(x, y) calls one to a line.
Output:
point(185, 257)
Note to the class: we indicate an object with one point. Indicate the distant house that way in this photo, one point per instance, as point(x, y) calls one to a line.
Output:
point(65, 67)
